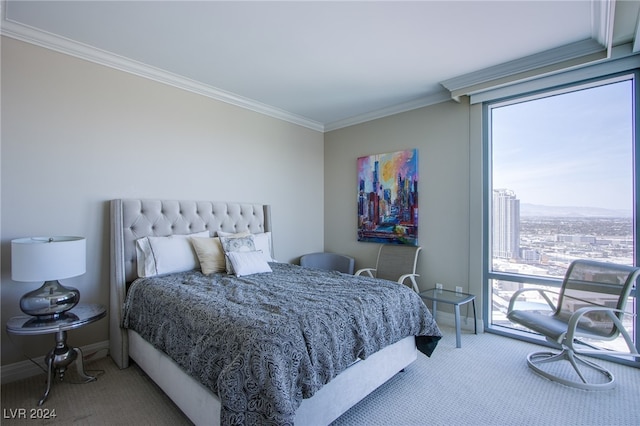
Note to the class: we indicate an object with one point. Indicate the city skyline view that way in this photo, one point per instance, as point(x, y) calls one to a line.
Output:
point(544, 246)
point(551, 242)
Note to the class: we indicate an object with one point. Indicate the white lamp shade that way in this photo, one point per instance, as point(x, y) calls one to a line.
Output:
point(47, 258)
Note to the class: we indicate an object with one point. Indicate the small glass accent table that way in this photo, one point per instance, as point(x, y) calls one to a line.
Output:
point(456, 299)
point(60, 357)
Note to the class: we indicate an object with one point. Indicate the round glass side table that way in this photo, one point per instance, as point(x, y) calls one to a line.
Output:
point(62, 355)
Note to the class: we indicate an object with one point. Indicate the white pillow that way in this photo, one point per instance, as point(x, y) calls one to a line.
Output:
point(233, 244)
point(164, 255)
point(210, 254)
point(263, 244)
point(248, 262)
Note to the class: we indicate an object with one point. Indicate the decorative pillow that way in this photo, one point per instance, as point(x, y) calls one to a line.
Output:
point(248, 262)
point(164, 255)
point(263, 244)
point(233, 244)
point(210, 254)
point(262, 241)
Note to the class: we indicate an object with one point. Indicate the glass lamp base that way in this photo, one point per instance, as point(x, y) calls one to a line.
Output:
point(50, 300)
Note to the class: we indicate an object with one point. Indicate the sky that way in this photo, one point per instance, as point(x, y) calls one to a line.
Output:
point(403, 163)
point(573, 149)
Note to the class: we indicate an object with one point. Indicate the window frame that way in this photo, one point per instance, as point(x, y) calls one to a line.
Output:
point(488, 275)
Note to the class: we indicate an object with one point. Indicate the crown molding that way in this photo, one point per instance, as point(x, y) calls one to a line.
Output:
point(92, 54)
point(431, 99)
point(89, 53)
point(579, 53)
point(622, 60)
point(553, 60)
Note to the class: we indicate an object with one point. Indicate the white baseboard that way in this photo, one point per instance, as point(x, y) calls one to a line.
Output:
point(25, 369)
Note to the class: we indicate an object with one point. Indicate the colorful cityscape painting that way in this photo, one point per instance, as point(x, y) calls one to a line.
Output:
point(388, 198)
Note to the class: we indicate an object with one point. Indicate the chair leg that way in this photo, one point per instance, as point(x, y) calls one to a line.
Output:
point(534, 360)
point(544, 357)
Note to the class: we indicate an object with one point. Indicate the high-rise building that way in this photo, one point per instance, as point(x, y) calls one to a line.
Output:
point(506, 224)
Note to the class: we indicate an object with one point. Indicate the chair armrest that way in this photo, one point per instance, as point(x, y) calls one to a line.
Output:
point(542, 292)
point(368, 271)
point(573, 332)
point(412, 277)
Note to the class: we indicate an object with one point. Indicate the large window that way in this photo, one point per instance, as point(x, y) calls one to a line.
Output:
point(560, 187)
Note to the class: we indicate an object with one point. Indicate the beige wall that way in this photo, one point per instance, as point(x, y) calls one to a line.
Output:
point(441, 134)
point(76, 134)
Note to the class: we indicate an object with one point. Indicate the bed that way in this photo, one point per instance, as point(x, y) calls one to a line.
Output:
point(290, 345)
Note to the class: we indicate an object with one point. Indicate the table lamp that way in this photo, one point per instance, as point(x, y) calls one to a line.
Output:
point(48, 259)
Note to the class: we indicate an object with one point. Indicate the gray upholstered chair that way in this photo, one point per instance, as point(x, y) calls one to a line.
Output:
point(396, 263)
point(590, 305)
point(328, 261)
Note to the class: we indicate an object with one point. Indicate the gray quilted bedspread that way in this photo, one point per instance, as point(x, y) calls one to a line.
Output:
point(264, 342)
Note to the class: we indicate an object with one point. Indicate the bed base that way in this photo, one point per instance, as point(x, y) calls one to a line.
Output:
point(202, 406)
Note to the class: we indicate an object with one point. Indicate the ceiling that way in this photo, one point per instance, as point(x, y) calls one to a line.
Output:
point(326, 64)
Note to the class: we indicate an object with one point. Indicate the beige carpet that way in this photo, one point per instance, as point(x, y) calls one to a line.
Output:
point(118, 397)
point(486, 382)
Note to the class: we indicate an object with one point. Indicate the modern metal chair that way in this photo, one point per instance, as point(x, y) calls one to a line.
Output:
point(328, 261)
point(589, 307)
point(396, 263)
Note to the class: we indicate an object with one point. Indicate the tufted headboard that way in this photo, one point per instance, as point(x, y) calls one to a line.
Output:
point(133, 218)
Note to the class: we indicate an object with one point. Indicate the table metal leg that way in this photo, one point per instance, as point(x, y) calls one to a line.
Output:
point(475, 321)
point(80, 366)
point(59, 358)
point(456, 308)
point(50, 371)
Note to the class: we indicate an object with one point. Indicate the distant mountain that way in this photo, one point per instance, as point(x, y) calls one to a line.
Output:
point(570, 211)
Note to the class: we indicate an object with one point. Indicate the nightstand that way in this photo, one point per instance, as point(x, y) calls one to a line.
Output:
point(456, 299)
point(60, 357)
